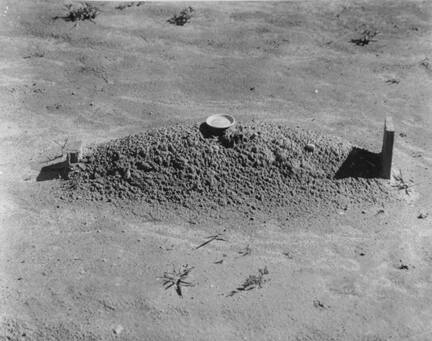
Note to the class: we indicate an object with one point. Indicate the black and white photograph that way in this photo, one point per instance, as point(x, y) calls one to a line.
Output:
point(216, 170)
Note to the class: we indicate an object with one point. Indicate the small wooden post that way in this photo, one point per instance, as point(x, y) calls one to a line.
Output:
point(73, 151)
point(387, 148)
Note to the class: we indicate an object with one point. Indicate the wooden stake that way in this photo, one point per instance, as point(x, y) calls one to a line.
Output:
point(387, 148)
point(73, 151)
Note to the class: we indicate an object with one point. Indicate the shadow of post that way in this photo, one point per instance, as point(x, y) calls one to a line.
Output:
point(360, 163)
point(58, 170)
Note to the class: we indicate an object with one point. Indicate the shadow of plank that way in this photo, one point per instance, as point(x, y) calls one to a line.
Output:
point(54, 171)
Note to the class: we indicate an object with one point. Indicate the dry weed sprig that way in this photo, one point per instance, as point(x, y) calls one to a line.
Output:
point(177, 278)
point(183, 17)
point(218, 236)
point(252, 282)
point(85, 11)
point(401, 184)
point(365, 38)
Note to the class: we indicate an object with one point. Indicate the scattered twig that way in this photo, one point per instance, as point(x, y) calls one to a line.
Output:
point(319, 305)
point(252, 282)
point(426, 64)
point(403, 266)
point(393, 81)
point(380, 211)
point(210, 239)
point(177, 278)
point(288, 254)
point(246, 251)
point(36, 54)
point(62, 149)
point(341, 38)
point(53, 158)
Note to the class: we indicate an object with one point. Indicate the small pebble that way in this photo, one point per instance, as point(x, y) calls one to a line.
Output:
point(310, 147)
point(127, 174)
point(117, 330)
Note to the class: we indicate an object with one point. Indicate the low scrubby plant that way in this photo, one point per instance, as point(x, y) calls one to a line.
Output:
point(182, 18)
point(85, 11)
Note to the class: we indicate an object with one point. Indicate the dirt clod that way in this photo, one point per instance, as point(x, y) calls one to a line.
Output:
point(423, 215)
point(118, 329)
point(310, 147)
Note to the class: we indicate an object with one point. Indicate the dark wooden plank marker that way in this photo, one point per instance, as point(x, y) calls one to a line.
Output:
point(387, 148)
point(73, 151)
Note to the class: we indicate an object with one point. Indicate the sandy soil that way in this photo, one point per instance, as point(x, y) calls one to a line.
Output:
point(91, 271)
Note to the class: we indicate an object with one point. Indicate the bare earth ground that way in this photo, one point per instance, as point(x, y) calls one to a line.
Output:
point(91, 271)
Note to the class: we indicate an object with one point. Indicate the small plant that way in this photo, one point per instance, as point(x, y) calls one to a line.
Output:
point(124, 5)
point(365, 38)
point(252, 282)
point(121, 7)
point(84, 12)
point(401, 184)
point(319, 305)
point(426, 64)
point(177, 278)
point(184, 17)
point(129, 4)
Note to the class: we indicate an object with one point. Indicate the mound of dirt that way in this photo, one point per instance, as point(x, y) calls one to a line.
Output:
point(260, 166)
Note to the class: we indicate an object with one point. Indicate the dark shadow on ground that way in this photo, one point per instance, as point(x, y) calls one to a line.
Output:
point(360, 163)
point(55, 171)
point(225, 139)
point(209, 132)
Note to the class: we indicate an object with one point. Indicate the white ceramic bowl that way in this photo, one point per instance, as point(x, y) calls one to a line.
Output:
point(220, 121)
